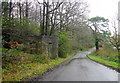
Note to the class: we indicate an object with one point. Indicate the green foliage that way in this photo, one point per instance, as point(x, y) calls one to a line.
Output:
point(18, 72)
point(98, 19)
point(107, 53)
point(40, 58)
point(105, 62)
point(64, 45)
point(18, 31)
point(96, 23)
point(8, 57)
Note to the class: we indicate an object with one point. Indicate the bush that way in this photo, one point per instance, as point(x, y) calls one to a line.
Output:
point(64, 45)
point(108, 54)
point(16, 31)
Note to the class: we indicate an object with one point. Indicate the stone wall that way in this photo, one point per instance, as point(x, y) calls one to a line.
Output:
point(53, 47)
point(44, 45)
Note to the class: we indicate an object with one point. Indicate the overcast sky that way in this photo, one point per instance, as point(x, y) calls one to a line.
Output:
point(104, 8)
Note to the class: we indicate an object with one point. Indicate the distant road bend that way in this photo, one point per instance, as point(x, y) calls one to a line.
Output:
point(82, 69)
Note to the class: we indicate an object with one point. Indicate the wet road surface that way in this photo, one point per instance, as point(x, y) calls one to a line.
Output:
point(82, 69)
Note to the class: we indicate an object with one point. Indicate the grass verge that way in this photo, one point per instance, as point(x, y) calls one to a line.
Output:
point(30, 70)
point(108, 63)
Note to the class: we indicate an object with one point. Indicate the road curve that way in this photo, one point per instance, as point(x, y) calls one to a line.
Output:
point(82, 69)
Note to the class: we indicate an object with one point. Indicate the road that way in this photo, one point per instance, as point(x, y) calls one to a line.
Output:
point(82, 69)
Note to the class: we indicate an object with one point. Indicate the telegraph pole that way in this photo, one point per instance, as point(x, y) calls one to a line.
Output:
point(119, 17)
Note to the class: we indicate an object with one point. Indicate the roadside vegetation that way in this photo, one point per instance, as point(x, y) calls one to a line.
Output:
point(107, 43)
point(18, 65)
point(24, 53)
point(37, 36)
point(106, 56)
point(21, 65)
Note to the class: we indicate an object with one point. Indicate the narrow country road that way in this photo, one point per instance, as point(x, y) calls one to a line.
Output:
point(82, 69)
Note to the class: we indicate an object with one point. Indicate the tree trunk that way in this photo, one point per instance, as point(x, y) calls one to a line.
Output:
point(20, 11)
point(26, 9)
point(36, 14)
point(47, 19)
point(10, 8)
point(96, 41)
point(40, 19)
point(96, 44)
point(42, 31)
point(61, 22)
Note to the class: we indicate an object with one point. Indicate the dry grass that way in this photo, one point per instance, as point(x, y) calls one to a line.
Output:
point(108, 53)
point(105, 52)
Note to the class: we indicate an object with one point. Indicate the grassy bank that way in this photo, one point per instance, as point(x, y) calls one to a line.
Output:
point(29, 70)
point(27, 65)
point(106, 57)
point(103, 61)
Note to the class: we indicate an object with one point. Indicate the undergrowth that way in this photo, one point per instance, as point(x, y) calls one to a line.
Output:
point(18, 65)
point(106, 56)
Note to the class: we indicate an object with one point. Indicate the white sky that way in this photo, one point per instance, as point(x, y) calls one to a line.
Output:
point(104, 8)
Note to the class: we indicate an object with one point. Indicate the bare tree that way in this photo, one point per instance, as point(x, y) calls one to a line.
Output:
point(115, 39)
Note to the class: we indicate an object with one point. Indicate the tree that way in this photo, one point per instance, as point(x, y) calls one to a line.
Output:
point(115, 39)
point(26, 13)
point(96, 24)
